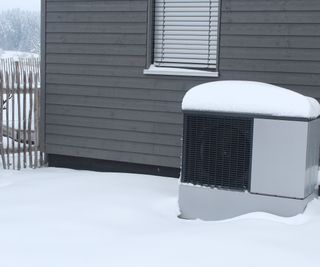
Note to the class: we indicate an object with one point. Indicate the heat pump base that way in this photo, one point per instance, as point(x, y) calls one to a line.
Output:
point(210, 204)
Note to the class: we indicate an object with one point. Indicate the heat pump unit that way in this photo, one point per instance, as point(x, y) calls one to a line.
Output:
point(247, 147)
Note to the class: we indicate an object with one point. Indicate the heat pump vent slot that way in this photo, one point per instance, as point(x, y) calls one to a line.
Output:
point(217, 151)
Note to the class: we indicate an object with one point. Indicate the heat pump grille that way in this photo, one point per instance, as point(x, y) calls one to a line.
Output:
point(217, 151)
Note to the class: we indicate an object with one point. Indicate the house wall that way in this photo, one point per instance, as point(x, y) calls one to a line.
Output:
point(98, 102)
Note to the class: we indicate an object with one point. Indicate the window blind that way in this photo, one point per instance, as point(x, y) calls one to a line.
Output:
point(185, 33)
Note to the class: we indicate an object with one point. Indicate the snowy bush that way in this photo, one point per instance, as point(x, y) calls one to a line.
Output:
point(20, 30)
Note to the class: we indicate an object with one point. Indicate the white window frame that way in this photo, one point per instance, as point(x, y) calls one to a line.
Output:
point(152, 68)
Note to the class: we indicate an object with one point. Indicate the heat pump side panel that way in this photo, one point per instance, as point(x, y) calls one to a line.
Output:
point(313, 149)
point(279, 158)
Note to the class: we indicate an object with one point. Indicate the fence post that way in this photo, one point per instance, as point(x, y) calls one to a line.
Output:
point(7, 81)
point(19, 115)
point(13, 128)
point(36, 121)
point(30, 81)
point(24, 120)
point(1, 122)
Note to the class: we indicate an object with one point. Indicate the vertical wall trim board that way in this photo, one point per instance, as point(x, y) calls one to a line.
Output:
point(149, 39)
point(42, 133)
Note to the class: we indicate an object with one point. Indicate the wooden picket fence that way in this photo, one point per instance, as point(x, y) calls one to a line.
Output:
point(20, 113)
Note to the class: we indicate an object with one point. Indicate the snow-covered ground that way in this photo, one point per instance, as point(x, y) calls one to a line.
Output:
point(60, 217)
point(17, 54)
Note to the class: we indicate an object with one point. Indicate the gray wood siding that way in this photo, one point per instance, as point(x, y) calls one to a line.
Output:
point(98, 102)
point(100, 105)
point(274, 41)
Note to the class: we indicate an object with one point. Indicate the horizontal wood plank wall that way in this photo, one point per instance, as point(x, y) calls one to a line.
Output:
point(98, 102)
point(100, 105)
point(273, 41)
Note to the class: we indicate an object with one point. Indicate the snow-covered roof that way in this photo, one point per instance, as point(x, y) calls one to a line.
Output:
point(250, 98)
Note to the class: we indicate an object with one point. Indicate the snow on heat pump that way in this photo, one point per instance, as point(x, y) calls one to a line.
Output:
point(247, 147)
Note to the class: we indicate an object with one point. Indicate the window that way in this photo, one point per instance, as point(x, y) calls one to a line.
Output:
point(185, 34)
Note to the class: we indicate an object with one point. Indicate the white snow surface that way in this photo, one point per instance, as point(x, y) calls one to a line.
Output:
point(17, 54)
point(58, 217)
point(251, 98)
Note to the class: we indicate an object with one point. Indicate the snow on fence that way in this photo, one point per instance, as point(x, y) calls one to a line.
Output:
point(19, 113)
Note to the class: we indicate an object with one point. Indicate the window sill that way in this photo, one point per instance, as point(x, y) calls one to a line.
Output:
point(179, 72)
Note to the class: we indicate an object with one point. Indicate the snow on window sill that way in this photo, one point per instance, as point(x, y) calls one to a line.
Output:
point(179, 72)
